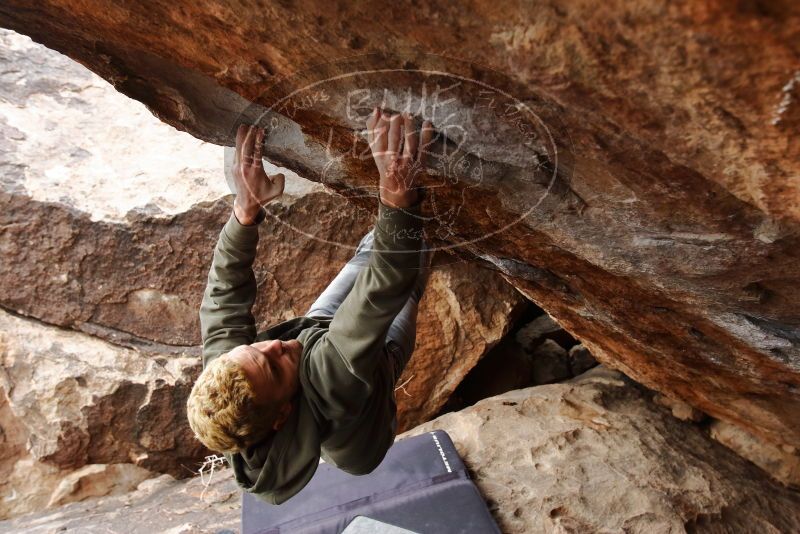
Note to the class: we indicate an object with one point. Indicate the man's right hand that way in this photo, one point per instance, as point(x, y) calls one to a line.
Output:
point(398, 151)
point(254, 187)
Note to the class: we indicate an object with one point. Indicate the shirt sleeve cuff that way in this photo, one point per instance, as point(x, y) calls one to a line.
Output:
point(401, 226)
point(239, 235)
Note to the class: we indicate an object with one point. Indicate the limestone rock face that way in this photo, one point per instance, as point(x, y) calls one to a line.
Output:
point(782, 462)
point(160, 504)
point(550, 363)
point(98, 479)
point(70, 405)
point(456, 326)
point(580, 360)
point(650, 203)
point(536, 352)
point(593, 455)
point(84, 401)
point(151, 287)
point(110, 231)
point(597, 455)
point(680, 409)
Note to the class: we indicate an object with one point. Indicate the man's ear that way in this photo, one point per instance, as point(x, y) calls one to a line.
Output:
point(283, 415)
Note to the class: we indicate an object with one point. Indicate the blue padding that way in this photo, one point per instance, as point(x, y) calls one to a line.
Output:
point(422, 486)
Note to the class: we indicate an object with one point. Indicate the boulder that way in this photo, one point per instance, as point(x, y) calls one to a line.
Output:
point(97, 480)
point(592, 455)
point(74, 401)
point(210, 505)
point(99, 233)
point(550, 363)
point(25, 483)
point(456, 326)
point(611, 161)
point(531, 355)
point(680, 409)
point(504, 368)
point(29, 485)
point(541, 329)
point(780, 461)
point(595, 454)
point(580, 360)
point(80, 401)
point(69, 138)
point(70, 405)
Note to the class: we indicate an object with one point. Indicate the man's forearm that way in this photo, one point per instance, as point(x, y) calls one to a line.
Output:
point(226, 319)
point(358, 329)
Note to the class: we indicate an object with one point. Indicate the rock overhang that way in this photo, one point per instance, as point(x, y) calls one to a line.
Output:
point(671, 248)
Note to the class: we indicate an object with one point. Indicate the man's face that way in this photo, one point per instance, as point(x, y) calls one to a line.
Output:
point(271, 368)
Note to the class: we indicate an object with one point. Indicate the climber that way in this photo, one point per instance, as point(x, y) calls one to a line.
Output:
point(320, 385)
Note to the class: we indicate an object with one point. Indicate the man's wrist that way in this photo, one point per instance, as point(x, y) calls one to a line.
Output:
point(406, 200)
point(249, 216)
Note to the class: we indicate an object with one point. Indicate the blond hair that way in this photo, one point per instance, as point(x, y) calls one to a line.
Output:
point(222, 408)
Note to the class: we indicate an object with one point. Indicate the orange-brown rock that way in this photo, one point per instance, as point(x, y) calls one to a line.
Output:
point(112, 233)
point(457, 325)
point(667, 239)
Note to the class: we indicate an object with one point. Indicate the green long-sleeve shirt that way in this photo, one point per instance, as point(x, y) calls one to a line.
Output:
point(344, 410)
